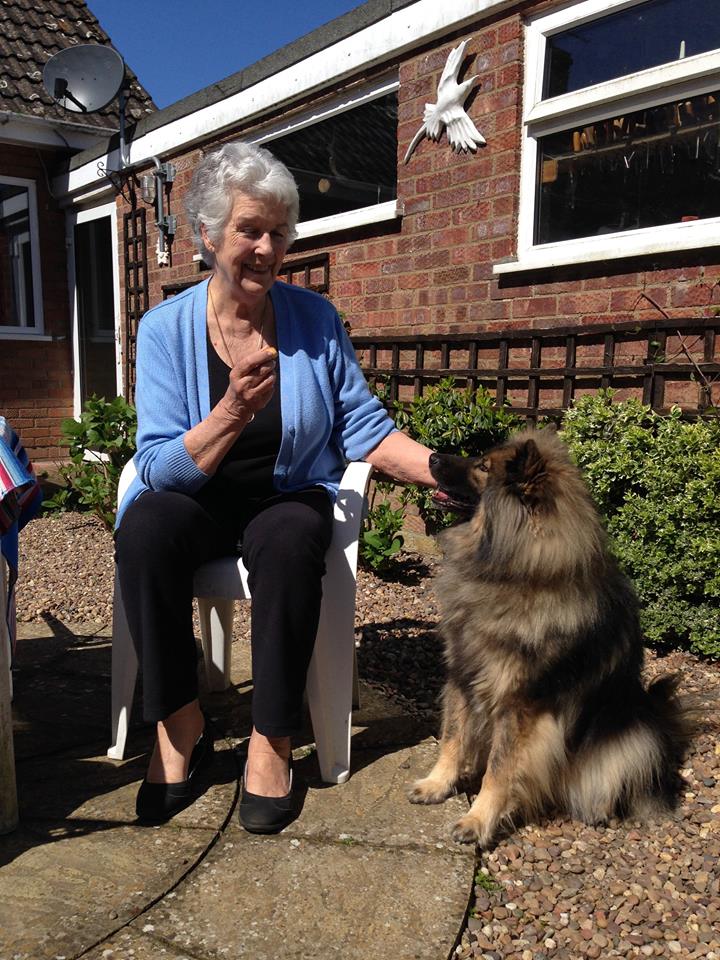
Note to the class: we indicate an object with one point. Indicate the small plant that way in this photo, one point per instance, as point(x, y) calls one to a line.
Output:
point(452, 420)
point(381, 540)
point(656, 481)
point(99, 445)
point(486, 882)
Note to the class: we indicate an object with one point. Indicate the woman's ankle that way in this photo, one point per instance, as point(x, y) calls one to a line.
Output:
point(177, 734)
point(267, 770)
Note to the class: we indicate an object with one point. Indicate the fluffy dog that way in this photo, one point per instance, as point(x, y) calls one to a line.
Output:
point(543, 698)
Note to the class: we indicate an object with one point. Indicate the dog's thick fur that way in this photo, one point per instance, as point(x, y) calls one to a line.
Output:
point(543, 697)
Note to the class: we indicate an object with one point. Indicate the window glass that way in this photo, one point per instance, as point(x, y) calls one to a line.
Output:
point(17, 307)
point(96, 311)
point(642, 36)
point(655, 166)
point(346, 162)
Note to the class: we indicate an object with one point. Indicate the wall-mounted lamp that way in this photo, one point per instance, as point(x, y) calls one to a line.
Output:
point(164, 174)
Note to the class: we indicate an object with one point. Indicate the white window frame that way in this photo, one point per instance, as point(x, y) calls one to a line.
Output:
point(8, 331)
point(73, 218)
point(679, 80)
point(376, 213)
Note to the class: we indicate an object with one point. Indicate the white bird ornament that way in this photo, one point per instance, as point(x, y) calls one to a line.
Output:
point(448, 111)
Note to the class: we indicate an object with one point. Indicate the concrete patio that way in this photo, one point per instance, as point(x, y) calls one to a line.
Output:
point(361, 874)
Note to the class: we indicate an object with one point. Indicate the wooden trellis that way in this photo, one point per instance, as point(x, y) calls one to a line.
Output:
point(540, 371)
point(136, 289)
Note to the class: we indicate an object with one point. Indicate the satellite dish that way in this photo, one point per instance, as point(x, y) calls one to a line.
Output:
point(84, 78)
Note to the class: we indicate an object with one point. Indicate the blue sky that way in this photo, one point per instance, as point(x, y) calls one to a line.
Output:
point(177, 47)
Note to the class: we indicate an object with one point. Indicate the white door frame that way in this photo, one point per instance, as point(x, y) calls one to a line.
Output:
point(73, 219)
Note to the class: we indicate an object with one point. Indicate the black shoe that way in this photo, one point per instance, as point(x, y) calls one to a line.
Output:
point(266, 814)
point(158, 802)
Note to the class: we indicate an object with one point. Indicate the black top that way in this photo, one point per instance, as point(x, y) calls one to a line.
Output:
point(245, 474)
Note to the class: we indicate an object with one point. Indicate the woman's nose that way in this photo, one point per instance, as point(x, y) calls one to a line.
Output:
point(264, 243)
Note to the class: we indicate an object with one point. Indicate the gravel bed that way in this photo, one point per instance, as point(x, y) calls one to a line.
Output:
point(552, 890)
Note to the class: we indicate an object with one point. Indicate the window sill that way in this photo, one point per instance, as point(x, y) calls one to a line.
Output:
point(7, 334)
point(346, 221)
point(672, 238)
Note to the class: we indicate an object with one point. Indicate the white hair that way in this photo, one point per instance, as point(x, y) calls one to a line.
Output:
point(237, 167)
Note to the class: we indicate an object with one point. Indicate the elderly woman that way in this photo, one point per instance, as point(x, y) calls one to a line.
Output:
point(250, 401)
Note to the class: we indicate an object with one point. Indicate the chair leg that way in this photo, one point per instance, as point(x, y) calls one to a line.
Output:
point(356, 682)
point(124, 675)
point(330, 676)
point(216, 626)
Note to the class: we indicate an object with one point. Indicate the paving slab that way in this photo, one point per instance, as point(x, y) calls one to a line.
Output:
point(127, 944)
point(361, 874)
point(303, 899)
point(64, 887)
point(372, 806)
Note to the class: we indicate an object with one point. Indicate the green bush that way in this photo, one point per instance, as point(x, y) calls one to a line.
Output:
point(381, 540)
point(99, 446)
point(452, 420)
point(656, 481)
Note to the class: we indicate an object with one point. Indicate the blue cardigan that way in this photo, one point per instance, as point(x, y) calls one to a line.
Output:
point(328, 414)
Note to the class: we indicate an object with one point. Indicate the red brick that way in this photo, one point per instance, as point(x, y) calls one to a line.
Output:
point(692, 296)
point(534, 307)
point(571, 304)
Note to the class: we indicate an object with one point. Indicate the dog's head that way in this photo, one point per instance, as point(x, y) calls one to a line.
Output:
point(517, 467)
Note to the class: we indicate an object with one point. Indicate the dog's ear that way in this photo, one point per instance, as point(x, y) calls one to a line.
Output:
point(526, 471)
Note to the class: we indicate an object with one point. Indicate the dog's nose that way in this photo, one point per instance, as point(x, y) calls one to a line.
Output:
point(434, 459)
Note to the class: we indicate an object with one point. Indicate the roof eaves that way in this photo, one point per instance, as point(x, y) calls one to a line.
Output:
point(325, 36)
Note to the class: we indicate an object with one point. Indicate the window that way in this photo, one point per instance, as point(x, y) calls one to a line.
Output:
point(20, 298)
point(341, 181)
point(621, 145)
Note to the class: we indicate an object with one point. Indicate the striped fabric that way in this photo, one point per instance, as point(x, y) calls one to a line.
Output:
point(20, 499)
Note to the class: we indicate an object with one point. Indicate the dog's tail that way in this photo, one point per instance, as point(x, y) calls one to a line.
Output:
point(634, 771)
point(675, 718)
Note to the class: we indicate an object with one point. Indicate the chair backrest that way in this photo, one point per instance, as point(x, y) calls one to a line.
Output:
point(126, 478)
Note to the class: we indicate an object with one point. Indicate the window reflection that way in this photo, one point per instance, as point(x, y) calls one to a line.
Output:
point(17, 307)
point(642, 36)
point(656, 166)
point(346, 162)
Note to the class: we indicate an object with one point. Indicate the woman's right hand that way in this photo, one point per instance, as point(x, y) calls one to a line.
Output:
point(250, 386)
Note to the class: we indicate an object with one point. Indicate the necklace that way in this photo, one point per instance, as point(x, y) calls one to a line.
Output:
point(222, 335)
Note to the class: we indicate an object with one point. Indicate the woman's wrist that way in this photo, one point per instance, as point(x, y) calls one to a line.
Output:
point(234, 416)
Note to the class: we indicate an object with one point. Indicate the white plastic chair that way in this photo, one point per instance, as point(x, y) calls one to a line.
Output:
point(332, 677)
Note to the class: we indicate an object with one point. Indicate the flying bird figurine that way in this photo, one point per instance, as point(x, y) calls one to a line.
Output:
point(448, 111)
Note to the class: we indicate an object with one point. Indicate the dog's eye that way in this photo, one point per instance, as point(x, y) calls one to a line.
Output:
point(483, 467)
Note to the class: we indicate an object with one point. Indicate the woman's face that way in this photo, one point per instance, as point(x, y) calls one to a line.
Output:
point(253, 243)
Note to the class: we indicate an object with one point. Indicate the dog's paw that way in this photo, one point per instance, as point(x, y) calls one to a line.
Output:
point(469, 829)
point(428, 790)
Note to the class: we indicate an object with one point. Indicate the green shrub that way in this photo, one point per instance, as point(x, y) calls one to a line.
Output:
point(381, 540)
point(99, 446)
point(452, 420)
point(656, 481)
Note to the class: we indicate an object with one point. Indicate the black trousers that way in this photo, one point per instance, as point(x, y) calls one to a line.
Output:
point(165, 536)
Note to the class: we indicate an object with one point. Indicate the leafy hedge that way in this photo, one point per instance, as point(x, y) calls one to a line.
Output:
point(656, 481)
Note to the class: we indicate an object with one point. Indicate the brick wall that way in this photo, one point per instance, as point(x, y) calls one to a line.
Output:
point(431, 271)
point(36, 377)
